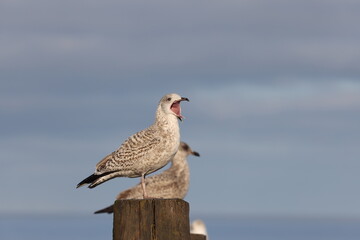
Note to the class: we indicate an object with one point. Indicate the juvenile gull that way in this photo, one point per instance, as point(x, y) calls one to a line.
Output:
point(145, 151)
point(172, 183)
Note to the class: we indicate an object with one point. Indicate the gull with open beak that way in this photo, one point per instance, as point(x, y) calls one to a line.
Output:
point(145, 151)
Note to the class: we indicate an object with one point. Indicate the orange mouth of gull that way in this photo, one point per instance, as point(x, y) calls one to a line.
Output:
point(175, 107)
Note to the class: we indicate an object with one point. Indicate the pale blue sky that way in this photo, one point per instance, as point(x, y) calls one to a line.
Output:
point(274, 100)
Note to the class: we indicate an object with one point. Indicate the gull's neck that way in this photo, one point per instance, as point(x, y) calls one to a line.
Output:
point(179, 161)
point(165, 121)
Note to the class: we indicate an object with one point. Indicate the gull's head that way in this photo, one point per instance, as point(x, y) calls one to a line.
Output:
point(188, 151)
point(170, 104)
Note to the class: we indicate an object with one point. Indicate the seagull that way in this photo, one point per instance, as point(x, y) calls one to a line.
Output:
point(171, 183)
point(145, 151)
point(198, 227)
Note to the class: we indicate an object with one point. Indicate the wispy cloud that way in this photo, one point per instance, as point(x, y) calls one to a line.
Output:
point(227, 40)
point(244, 99)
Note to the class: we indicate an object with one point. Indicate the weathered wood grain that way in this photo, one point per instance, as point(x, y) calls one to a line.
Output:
point(151, 219)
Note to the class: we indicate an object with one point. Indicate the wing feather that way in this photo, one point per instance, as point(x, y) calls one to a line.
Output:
point(133, 149)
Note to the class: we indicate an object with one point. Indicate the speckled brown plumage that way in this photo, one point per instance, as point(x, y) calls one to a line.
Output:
point(172, 183)
point(145, 151)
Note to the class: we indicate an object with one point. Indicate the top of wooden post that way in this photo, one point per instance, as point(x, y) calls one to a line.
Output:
point(151, 219)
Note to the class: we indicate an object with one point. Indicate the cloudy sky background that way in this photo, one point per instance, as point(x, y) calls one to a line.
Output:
point(274, 100)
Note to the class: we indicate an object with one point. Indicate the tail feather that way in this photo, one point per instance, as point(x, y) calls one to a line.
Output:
point(103, 178)
point(92, 179)
point(109, 209)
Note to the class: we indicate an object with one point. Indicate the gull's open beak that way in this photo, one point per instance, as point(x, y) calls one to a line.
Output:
point(178, 101)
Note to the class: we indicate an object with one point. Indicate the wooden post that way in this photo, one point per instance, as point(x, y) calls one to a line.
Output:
point(151, 219)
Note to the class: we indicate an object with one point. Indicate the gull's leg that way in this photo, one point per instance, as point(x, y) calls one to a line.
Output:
point(143, 186)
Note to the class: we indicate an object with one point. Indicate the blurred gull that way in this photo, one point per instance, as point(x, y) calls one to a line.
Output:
point(172, 183)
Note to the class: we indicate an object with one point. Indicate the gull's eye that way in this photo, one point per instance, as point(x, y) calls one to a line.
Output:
point(169, 99)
